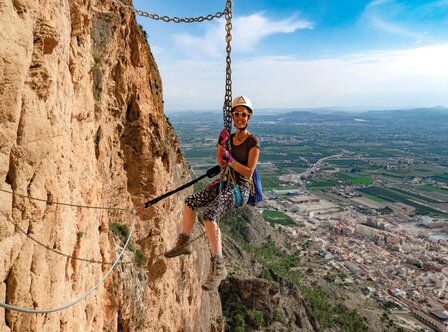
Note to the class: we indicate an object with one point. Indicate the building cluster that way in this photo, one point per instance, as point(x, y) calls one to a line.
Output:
point(407, 268)
point(346, 191)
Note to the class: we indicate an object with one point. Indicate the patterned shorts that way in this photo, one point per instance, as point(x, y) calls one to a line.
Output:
point(217, 204)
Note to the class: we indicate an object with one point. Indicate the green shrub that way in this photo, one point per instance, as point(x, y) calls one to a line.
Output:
point(139, 257)
point(256, 318)
point(238, 323)
point(276, 315)
point(122, 233)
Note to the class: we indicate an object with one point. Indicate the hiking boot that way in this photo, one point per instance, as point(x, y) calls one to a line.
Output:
point(183, 247)
point(217, 273)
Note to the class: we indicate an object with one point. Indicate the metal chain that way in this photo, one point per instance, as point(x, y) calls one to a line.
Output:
point(88, 260)
point(227, 108)
point(50, 202)
point(158, 17)
point(59, 252)
point(65, 306)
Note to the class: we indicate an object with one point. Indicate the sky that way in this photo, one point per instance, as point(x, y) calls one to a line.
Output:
point(352, 54)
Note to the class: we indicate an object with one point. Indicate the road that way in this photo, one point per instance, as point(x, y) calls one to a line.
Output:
point(313, 168)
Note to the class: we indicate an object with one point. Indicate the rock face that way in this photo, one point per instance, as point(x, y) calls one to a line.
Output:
point(250, 301)
point(81, 122)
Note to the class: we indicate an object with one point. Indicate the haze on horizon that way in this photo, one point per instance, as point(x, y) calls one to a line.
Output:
point(377, 54)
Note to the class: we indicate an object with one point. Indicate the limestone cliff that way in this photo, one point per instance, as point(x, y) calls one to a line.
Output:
point(82, 122)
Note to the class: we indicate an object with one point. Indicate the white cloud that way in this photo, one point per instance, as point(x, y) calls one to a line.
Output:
point(394, 28)
point(247, 32)
point(251, 29)
point(404, 78)
point(375, 14)
point(401, 18)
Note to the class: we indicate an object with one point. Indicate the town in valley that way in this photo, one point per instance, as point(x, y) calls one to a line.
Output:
point(365, 193)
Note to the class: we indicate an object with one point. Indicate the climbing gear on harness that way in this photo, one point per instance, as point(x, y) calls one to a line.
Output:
point(218, 180)
point(182, 246)
point(238, 197)
point(218, 272)
point(242, 101)
point(256, 192)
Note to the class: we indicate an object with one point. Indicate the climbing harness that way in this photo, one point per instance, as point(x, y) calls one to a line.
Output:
point(256, 190)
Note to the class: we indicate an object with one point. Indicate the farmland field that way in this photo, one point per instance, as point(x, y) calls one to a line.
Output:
point(277, 217)
point(429, 188)
point(393, 196)
point(390, 157)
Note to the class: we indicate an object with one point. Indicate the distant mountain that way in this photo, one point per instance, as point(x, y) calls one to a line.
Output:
point(338, 110)
point(435, 112)
point(424, 114)
point(319, 114)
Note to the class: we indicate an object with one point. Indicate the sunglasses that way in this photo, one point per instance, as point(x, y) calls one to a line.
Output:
point(242, 114)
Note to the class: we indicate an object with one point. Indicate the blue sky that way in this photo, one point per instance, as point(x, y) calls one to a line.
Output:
point(303, 53)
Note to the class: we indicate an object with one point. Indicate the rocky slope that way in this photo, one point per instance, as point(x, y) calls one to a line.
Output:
point(260, 298)
point(82, 122)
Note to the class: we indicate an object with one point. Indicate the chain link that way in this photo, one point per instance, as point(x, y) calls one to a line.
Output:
point(167, 19)
point(227, 108)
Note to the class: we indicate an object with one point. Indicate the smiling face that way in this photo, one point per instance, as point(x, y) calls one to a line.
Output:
point(241, 116)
